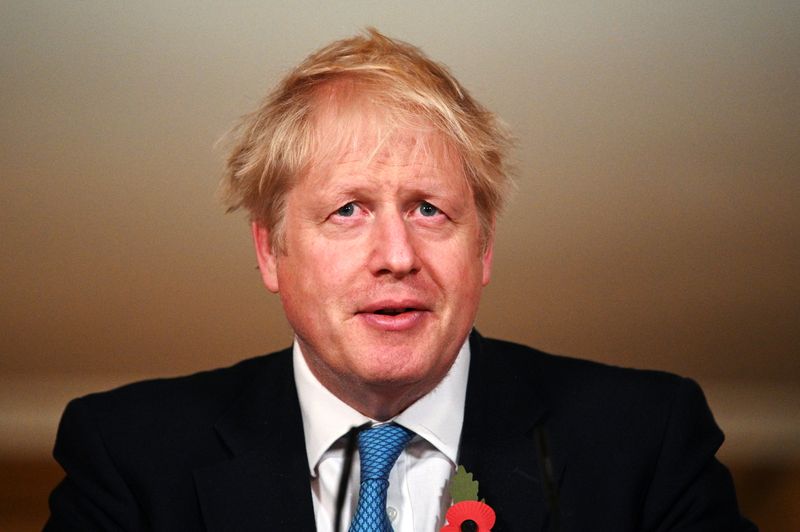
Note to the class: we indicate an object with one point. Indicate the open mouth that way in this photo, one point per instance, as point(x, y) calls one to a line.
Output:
point(393, 311)
point(397, 316)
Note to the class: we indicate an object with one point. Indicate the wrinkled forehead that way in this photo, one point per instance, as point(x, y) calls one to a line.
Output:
point(357, 128)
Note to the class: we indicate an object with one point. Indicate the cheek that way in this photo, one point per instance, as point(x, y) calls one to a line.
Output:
point(458, 264)
point(320, 272)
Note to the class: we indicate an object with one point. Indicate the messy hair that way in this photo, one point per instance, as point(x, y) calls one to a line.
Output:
point(274, 145)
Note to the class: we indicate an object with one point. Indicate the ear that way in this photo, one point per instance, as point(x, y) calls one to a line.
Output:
point(488, 256)
point(267, 260)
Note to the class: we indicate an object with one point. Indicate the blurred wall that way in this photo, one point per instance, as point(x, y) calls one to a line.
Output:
point(655, 223)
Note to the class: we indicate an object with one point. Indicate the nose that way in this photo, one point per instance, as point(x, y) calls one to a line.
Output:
point(393, 247)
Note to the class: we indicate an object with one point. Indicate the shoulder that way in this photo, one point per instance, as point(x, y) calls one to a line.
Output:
point(131, 451)
point(639, 441)
point(173, 407)
point(559, 373)
point(582, 395)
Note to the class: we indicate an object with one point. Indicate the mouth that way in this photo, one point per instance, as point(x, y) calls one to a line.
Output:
point(393, 311)
point(397, 315)
point(392, 307)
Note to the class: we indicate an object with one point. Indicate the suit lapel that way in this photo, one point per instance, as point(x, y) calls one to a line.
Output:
point(265, 483)
point(498, 441)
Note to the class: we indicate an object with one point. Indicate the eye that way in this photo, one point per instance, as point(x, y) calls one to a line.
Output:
point(428, 210)
point(346, 210)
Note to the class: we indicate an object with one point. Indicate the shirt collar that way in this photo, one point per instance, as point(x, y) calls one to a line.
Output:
point(437, 416)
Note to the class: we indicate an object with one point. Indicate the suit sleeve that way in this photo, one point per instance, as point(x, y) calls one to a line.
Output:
point(691, 490)
point(93, 495)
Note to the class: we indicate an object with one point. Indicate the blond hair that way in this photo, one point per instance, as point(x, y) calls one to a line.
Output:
point(274, 145)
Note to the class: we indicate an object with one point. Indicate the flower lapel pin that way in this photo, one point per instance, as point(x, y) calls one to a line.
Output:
point(467, 514)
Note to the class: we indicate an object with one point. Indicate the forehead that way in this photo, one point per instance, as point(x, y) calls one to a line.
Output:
point(359, 131)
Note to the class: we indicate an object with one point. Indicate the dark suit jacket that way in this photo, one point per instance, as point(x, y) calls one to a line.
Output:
point(224, 450)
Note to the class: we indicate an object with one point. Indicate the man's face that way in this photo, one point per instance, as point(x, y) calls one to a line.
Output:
point(383, 265)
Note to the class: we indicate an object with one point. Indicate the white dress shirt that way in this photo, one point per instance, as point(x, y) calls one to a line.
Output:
point(418, 483)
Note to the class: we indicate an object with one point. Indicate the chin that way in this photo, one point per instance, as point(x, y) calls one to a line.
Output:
point(392, 374)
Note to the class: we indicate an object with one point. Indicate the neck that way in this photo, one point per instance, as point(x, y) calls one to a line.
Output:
point(382, 406)
point(379, 401)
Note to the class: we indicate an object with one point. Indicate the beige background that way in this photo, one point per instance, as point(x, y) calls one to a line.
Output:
point(655, 222)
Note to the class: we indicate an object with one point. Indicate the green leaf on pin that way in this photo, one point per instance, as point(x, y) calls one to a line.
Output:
point(463, 487)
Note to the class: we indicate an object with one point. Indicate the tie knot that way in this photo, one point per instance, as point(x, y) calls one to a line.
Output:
point(379, 447)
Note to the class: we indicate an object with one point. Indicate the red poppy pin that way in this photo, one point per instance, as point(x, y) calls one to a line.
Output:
point(467, 514)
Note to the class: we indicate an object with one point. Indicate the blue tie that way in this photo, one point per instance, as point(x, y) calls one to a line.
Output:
point(378, 449)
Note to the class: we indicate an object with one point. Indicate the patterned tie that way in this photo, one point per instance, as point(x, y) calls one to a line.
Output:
point(378, 449)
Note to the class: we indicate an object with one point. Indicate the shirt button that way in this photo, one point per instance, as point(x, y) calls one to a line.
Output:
point(391, 512)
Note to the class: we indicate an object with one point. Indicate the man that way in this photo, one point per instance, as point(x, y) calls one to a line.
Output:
point(373, 181)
